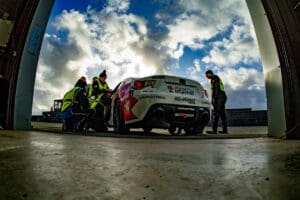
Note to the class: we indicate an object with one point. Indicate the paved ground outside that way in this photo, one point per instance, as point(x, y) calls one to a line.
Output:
point(234, 132)
point(41, 165)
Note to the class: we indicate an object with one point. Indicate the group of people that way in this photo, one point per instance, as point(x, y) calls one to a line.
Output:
point(85, 102)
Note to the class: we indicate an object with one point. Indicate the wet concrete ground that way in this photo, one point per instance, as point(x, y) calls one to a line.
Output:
point(35, 165)
point(234, 132)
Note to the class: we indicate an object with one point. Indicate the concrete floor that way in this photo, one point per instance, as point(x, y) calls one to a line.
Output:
point(35, 165)
point(234, 132)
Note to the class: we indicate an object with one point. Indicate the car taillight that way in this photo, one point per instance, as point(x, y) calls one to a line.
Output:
point(138, 85)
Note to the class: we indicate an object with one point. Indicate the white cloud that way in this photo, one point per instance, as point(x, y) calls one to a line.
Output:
point(94, 41)
point(194, 70)
point(203, 20)
point(240, 47)
point(187, 31)
point(242, 79)
point(117, 6)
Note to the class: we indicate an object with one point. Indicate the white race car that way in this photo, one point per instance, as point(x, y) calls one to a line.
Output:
point(165, 102)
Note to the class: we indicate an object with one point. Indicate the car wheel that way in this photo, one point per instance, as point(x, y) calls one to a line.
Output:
point(194, 130)
point(119, 125)
point(173, 130)
point(199, 129)
point(147, 129)
point(189, 130)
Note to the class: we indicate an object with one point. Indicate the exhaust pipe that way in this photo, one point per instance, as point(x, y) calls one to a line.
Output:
point(157, 118)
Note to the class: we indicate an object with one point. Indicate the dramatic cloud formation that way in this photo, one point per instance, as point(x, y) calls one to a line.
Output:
point(128, 44)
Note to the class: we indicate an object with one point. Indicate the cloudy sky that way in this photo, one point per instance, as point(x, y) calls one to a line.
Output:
point(132, 38)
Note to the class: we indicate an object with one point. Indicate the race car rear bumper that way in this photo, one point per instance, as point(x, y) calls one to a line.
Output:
point(162, 116)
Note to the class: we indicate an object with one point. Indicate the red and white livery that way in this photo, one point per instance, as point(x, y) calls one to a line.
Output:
point(166, 102)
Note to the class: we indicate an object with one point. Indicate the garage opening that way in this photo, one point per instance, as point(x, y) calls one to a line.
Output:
point(133, 39)
point(21, 52)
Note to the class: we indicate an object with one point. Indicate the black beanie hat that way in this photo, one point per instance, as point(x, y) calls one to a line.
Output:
point(209, 72)
point(103, 74)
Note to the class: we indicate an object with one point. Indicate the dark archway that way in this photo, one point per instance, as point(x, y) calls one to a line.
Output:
point(284, 18)
point(29, 18)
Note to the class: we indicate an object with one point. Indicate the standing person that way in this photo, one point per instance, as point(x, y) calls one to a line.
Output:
point(219, 99)
point(103, 86)
point(103, 95)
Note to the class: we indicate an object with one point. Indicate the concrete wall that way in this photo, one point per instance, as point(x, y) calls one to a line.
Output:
point(28, 65)
point(271, 67)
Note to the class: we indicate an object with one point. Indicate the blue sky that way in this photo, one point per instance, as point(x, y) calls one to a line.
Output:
point(132, 38)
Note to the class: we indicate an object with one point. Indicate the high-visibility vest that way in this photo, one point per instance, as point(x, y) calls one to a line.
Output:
point(89, 90)
point(222, 88)
point(95, 102)
point(69, 98)
point(102, 86)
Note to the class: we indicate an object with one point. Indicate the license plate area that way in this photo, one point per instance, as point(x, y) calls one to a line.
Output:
point(184, 112)
point(176, 89)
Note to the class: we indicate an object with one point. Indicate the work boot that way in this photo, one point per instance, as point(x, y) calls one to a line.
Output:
point(223, 132)
point(212, 132)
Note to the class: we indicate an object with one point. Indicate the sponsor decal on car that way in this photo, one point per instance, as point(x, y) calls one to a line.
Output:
point(151, 97)
point(181, 90)
point(184, 99)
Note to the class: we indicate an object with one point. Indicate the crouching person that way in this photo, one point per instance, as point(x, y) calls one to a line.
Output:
point(75, 110)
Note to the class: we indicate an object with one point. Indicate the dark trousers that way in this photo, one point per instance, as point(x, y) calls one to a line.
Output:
point(219, 112)
point(83, 116)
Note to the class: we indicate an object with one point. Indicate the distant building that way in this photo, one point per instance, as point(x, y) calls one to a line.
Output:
point(247, 117)
point(50, 116)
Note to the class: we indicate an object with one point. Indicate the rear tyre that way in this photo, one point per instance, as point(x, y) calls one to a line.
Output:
point(194, 130)
point(189, 130)
point(173, 130)
point(199, 129)
point(119, 125)
point(147, 129)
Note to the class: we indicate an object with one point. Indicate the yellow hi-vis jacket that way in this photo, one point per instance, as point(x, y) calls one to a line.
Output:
point(95, 102)
point(89, 90)
point(69, 98)
point(97, 99)
point(222, 88)
point(102, 86)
